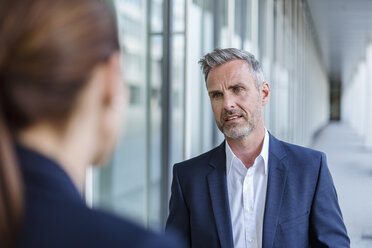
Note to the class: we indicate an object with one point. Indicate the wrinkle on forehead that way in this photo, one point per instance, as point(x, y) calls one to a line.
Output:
point(231, 72)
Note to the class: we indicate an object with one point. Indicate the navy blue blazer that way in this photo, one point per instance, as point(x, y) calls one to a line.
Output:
point(301, 203)
point(56, 215)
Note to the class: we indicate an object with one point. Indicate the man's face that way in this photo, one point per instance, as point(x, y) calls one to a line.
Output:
point(237, 104)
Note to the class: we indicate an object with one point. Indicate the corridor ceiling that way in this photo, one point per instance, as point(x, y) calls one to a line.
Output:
point(343, 27)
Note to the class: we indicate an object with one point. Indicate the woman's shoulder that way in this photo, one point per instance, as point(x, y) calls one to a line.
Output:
point(79, 226)
point(121, 231)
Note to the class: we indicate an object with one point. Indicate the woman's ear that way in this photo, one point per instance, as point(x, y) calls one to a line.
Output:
point(114, 100)
point(113, 84)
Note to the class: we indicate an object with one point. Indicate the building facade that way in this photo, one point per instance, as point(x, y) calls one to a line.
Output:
point(169, 117)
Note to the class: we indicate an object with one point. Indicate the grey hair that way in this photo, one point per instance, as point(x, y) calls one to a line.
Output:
point(222, 56)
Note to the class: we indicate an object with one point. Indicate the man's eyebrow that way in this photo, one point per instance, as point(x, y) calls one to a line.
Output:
point(236, 85)
point(213, 91)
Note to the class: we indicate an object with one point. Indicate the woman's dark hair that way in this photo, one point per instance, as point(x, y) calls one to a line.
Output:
point(47, 52)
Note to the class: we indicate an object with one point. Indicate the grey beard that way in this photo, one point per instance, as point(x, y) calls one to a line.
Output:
point(242, 132)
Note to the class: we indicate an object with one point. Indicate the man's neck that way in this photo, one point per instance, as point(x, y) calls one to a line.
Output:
point(249, 147)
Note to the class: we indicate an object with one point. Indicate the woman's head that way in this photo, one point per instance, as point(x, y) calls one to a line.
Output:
point(49, 50)
point(59, 64)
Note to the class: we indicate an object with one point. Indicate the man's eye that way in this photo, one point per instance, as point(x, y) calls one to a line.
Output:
point(217, 94)
point(238, 89)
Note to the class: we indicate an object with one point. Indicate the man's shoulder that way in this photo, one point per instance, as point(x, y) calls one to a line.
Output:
point(298, 149)
point(299, 154)
point(303, 164)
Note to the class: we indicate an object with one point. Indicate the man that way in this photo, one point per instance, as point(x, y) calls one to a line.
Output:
point(253, 190)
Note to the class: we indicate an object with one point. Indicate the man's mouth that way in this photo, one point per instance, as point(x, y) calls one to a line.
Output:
point(232, 117)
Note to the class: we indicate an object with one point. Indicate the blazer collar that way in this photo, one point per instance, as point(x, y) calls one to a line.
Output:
point(219, 197)
point(218, 157)
point(276, 148)
point(275, 188)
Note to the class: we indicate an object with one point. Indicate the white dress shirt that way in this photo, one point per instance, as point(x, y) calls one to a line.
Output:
point(247, 195)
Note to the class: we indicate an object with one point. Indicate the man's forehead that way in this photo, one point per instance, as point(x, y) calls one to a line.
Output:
point(230, 65)
point(229, 72)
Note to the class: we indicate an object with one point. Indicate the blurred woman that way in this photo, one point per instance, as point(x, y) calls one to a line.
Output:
point(61, 104)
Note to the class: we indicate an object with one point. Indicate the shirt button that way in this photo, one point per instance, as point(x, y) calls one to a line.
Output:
point(251, 240)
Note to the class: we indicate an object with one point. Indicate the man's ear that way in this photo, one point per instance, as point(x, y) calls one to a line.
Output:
point(265, 93)
point(112, 79)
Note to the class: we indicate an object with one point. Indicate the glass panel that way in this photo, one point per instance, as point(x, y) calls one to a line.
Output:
point(178, 15)
point(122, 186)
point(238, 24)
point(200, 41)
point(193, 106)
point(178, 99)
point(156, 16)
point(247, 28)
point(206, 115)
point(224, 39)
point(262, 36)
point(155, 131)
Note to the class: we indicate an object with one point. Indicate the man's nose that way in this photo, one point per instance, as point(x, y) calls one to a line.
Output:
point(229, 102)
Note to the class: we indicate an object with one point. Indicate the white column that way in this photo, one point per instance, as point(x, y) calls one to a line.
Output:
point(362, 97)
point(231, 23)
point(193, 80)
point(267, 61)
point(368, 93)
point(254, 27)
point(354, 101)
point(347, 96)
point(88, 187)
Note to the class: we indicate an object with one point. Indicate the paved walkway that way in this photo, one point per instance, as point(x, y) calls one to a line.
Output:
point(351, 167)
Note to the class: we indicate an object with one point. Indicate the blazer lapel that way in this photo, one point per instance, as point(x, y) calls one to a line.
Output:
point(275, 188)
point(219, 197)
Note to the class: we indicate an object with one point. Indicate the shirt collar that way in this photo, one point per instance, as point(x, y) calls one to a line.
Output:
point(264, 154)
